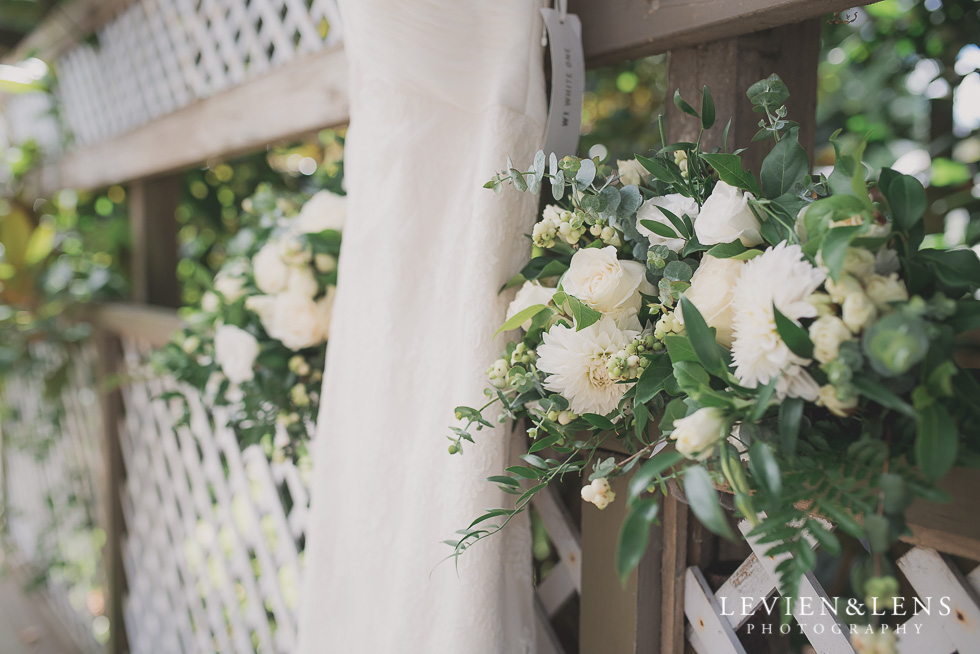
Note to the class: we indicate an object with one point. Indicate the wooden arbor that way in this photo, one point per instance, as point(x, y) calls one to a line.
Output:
point(189, 81)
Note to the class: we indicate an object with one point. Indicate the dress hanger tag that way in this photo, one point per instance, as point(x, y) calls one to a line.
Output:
point(567, 82)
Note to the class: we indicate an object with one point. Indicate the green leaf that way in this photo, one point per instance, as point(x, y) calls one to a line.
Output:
point(955, 268)
point(896, 494)
point(770, 92)
point(655, 168)
point(650, 471)
point(936, 441)
point(40, 243)
point(790, 415)
point(702, 340)
point(707, 109)
point(659, 229)
point(506, 481)
point(634, 536)
point(730, 171)
point(691, 377)
point(875, 391)
point(652, 379)
point(765, 469)
point(584, 315)
point(784, 167)
point(518, 318)
point(834, 247)
point(703, 498)
point(526, 473)
point(906, 198)
point(795, 337)
point(678, 271)
point(679, 348)
point(682, 104)
point(878, 530)
point(558, 184)
point(599, 422)
point(826, 539)
point(544, 443)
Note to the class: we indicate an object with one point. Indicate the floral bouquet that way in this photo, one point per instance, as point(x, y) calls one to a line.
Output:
point(781, 338)
point(256, 344)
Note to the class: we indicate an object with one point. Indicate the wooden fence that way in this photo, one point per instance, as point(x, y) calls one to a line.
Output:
point(192, 80)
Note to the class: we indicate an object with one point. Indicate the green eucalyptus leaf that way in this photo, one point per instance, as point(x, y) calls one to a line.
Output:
point(703, 499)
point(634, 536)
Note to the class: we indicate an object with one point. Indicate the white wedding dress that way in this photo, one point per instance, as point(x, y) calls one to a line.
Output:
point(442, 92)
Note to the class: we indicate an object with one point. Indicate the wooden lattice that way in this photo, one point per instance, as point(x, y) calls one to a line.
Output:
point(712, 629)
point(157, 56)
point(53, 502)
point(212, 553)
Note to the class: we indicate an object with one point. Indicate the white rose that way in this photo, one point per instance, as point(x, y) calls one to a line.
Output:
point(230, 283)
point(631, 172)
point(608, 285)
point(828, 399)
point(531, 293)
point(302, 281)
point(697, 434)
point(858, 311)
point(271, 272)
point(711, 292)
point(297, 321)
point(323, 211)
point(675, 203)
point(885, 290)
point(726, 216)
point(823, 303)
point(263, 306)
point(859, 262)
point(235, 351)
point(844, 286)
point(210, 302)
point(827, 333)
point(295, 252)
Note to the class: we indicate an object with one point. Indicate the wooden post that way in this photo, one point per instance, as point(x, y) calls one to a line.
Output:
point(728, 68)
point(154, 231)
point(110, 356)
point(615, 619)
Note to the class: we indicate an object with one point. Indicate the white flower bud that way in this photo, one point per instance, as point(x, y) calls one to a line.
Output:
point(697, 434)
point(823, 303)
point(588, 493)
point(827, 333)
point(325, 262)
point(828, 399)
point(566, 417)
point(631, 172)
point(210, 302)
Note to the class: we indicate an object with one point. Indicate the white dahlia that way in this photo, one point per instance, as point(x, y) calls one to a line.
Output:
point(779, 276)
point(576, 364)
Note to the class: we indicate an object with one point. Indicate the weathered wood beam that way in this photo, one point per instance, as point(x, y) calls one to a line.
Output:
point(299, 98)
point(152, 204)
point(729, 67)
point(154, 325)
point(617, 30)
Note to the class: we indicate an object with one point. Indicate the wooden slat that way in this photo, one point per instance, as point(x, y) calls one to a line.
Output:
point(151, 325)
point(152, 204)
point(299, 98)
point(933, 576)
point(711, 633)
point(616, 30)
point(931, 624)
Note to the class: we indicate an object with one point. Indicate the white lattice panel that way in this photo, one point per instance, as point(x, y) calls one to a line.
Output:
point(212, 552)
point(51, 487)
point(157, 56)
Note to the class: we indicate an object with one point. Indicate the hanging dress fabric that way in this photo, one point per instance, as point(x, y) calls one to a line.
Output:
point(441, 93)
